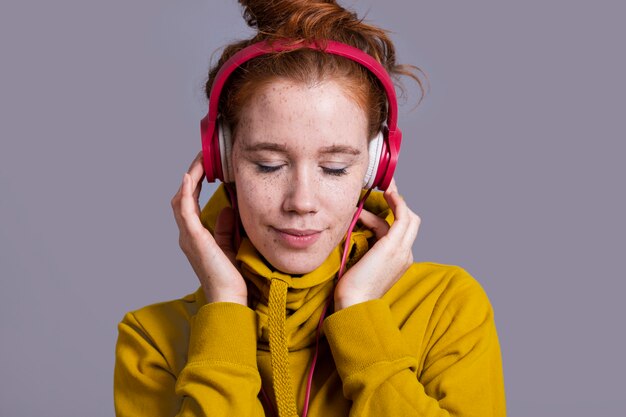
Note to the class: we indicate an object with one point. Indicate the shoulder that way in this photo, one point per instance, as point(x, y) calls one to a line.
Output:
point(442, 309)
point(442, 289)
point(164, 326)
point(165, 312)
point(440, 278)
point(456, 283)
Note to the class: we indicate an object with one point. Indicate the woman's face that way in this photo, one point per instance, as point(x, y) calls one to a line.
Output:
point(299, 157)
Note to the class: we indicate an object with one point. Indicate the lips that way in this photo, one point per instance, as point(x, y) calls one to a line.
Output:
point(297, 238)
point(299, 232)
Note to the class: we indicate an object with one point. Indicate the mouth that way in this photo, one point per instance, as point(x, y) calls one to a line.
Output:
point(297, 238)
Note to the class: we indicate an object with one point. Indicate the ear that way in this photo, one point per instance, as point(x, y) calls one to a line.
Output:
point(375, 148)
point(226, 148)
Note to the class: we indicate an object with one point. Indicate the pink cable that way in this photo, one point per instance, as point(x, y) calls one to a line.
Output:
point(270, 407)
point(344, 256)
point(307, 397)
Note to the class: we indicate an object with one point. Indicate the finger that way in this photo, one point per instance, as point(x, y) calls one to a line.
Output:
point(224, 230)
point(188, 207)
point(198, 189)
point(175, 202)
point(392, 196)
point(198, 157)
point(393, 187)
point(401, 215)
point(196, 192)
point(414, 228)
point(379, 226)
point(196, 171)
point(397, 204)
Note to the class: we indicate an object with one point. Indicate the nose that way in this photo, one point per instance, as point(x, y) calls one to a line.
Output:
point(301, 195)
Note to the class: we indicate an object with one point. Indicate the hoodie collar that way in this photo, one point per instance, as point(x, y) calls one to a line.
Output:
point(306, 294)
point(289, 308)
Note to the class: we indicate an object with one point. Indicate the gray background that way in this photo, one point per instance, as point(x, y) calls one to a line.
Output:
point(514, 161)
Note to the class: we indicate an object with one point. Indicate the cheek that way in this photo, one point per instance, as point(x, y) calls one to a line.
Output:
point(256, 197)
point(342, 200)
point(251, 194)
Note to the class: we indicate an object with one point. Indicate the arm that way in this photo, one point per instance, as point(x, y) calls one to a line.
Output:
point(379, 363)
point(461, 374)
point(220, 376)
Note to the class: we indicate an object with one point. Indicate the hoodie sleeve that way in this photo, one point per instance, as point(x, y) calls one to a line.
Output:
point(220, 376)
point(461, 374)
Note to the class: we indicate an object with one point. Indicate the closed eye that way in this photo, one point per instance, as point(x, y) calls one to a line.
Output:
point(335, 171)
point(267, 168)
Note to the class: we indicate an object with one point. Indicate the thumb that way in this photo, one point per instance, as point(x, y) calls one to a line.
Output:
point(224, 230)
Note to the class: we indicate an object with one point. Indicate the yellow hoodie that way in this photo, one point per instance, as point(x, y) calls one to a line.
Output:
point(428, 348)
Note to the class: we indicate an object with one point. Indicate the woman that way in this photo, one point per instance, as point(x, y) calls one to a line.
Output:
point(297, 314)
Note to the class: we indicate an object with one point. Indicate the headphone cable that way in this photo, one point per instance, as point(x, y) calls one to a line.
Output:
point(344, 258)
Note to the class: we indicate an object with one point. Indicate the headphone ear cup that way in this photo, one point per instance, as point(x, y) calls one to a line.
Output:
point(375, 149)
point(226, 145)
point(208, 139)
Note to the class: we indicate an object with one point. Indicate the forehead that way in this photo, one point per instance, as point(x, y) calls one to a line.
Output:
point(292, 113)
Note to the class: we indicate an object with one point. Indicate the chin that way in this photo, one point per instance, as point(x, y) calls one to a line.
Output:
point(295, 263)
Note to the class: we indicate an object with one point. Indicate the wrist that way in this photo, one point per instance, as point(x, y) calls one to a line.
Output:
point(225, 297)
point(345, 302)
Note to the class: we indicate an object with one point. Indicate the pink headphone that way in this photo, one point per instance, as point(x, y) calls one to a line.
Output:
point(216, 138)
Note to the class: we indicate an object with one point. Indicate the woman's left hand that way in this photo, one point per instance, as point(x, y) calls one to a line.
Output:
point(374, 274)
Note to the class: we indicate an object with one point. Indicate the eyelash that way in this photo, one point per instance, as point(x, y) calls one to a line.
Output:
point(266, 169)
point(337, 172)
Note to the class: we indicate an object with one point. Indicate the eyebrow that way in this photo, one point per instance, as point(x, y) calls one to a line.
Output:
point(275, 147)
point(340, 149)
point(265, 146)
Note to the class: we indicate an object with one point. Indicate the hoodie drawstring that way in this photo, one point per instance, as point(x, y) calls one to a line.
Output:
point(279, 352)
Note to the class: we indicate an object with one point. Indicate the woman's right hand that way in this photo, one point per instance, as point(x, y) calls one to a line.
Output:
point(212, 258)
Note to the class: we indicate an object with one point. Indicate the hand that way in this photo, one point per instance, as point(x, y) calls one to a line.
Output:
point(374, 274)
point(212, 258)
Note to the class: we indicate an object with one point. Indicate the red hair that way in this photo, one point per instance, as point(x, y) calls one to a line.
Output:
point(310, 20)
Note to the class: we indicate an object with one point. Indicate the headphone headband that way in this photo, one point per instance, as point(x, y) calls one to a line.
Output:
point(209, 122)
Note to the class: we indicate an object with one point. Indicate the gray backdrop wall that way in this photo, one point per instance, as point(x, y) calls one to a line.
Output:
point(514, 161)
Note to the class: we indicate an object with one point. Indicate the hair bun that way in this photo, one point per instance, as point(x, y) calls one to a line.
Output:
point(311, 20)
point(306, 19)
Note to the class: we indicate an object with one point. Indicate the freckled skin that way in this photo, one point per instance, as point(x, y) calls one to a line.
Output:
point(300, 193)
